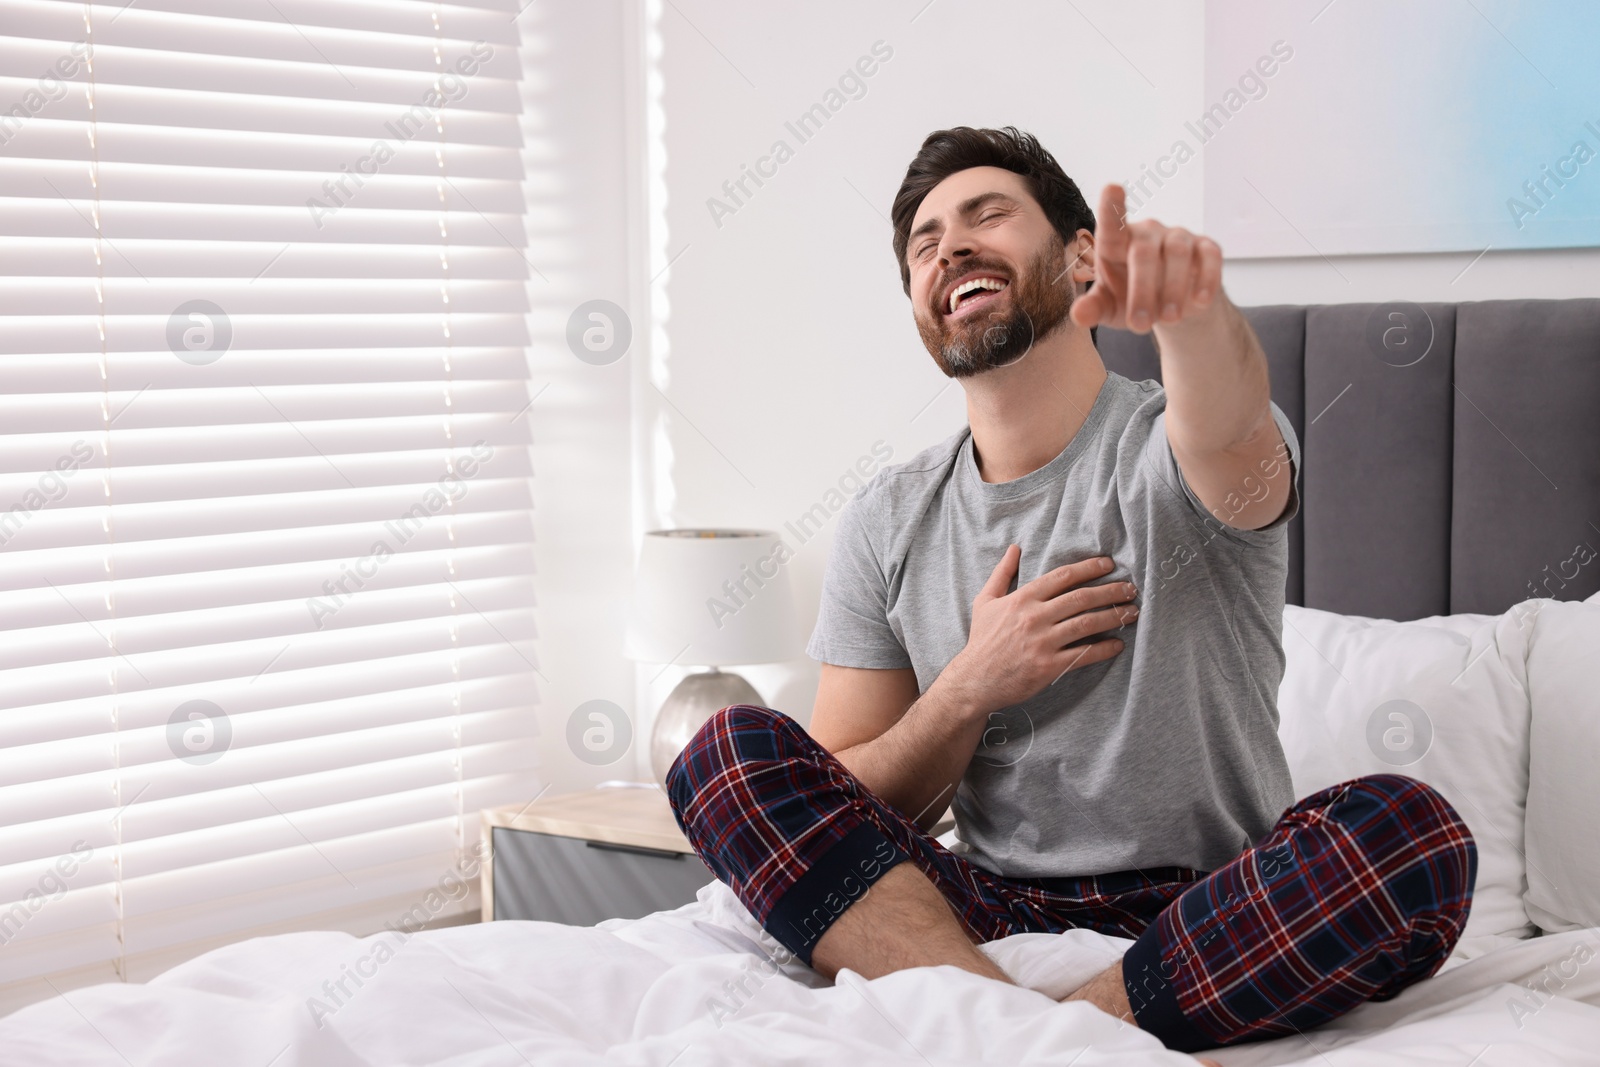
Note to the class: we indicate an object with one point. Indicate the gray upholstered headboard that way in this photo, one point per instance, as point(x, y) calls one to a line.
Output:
point(1451, 451)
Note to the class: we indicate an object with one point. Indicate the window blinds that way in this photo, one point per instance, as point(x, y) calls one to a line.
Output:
point(265, 533)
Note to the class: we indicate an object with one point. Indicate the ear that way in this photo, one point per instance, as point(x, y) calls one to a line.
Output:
point(1078, 259)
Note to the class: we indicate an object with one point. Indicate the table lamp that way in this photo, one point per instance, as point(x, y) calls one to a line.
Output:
point(709, 598)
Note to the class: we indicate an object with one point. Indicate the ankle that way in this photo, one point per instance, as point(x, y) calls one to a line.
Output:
point(1107, 992)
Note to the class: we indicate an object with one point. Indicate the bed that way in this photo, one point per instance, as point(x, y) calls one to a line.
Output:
point(1443, 622)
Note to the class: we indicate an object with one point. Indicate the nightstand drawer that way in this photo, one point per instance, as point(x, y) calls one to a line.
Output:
point(579, 882)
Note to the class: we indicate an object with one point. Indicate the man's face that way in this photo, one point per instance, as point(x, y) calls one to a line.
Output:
point(981, 241)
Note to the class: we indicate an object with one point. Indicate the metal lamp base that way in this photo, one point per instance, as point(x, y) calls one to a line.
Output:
point(687, 707)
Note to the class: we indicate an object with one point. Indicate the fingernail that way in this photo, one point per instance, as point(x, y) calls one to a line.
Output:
point(1141, 319)
point(1169, 312)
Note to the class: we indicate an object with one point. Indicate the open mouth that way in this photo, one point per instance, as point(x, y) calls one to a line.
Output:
point(973, 294)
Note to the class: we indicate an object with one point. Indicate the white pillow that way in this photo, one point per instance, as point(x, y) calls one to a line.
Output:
point(1563, 823)
point(1443, 700)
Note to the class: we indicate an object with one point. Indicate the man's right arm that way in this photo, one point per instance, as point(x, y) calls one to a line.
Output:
point(912, 750)
point(908, 749)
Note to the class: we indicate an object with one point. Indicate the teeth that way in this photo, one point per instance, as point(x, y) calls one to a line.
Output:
point(969, 286)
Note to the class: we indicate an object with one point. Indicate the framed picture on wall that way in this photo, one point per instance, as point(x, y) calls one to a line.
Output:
point(1358, 126)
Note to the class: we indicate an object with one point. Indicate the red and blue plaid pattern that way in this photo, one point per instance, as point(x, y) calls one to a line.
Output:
point(1358, 891)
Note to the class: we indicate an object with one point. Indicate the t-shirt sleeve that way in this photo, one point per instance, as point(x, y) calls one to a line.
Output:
point(1172, 475)
point(853, 619)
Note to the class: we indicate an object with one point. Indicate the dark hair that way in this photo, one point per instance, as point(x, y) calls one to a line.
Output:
point(946, 151)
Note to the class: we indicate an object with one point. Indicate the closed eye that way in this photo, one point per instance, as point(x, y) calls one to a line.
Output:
point(988, 216)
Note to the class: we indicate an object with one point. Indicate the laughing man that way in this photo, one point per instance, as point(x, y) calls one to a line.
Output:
point(1065, 622)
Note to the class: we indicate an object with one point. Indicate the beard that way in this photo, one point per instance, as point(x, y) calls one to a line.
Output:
point(1032, 306)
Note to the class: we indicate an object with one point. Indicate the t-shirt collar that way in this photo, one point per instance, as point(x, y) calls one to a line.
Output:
point(1051, 473)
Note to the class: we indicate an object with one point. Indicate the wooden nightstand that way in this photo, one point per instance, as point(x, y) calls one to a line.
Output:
point(613, 853)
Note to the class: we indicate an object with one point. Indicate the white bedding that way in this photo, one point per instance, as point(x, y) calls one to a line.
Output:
point(666, 990)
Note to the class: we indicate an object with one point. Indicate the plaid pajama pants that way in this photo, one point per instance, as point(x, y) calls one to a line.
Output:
point(1358, 891)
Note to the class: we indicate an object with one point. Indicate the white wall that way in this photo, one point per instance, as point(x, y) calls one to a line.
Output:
point(792, 348)
point(578, 162)
point(1546, 274)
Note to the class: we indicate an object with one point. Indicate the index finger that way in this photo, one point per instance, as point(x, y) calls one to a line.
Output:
point(1052, 584)
point(1111, 233)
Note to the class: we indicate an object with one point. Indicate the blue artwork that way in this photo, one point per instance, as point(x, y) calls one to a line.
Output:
point(1428, 126)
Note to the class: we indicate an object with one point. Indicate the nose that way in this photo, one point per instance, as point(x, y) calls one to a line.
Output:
point(954, 246)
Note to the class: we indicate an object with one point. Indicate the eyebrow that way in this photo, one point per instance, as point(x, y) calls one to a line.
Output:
point(966, 207)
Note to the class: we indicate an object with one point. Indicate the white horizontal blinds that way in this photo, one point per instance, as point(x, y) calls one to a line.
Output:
point(263, 417)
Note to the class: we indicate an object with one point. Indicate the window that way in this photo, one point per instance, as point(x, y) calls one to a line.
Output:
point(265, 544)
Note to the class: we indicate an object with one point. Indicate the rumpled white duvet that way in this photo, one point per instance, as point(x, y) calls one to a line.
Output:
point(699, 986)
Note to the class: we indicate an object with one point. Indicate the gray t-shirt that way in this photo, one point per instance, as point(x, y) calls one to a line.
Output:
point(1165, 755)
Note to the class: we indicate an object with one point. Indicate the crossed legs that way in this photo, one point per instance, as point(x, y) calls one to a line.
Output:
point(1358, 891)
point(905, 922)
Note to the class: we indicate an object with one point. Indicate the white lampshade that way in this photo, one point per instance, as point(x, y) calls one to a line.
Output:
point(713, 598)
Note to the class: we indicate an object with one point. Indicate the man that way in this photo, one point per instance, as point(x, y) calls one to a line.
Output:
point(1068, 618)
